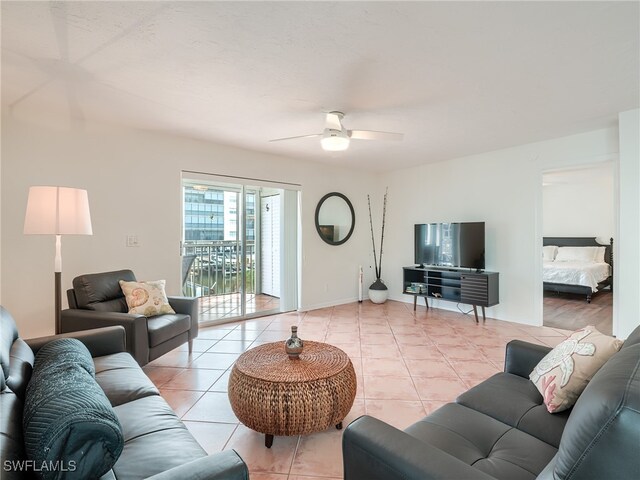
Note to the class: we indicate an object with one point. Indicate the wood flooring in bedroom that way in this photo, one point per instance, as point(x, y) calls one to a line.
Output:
point(571, 312)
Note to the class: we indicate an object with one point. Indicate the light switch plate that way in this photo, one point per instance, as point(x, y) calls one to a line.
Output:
point(132, 241)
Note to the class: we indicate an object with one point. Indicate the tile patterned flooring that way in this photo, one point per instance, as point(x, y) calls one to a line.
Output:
point(407, 363)
point(216, 307)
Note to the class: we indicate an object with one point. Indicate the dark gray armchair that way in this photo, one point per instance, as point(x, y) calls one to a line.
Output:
point(96, 300)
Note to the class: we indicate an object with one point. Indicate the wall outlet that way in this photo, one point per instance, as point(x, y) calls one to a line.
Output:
point(132, 241)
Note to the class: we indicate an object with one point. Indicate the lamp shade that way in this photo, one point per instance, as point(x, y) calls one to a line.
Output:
point(57, 211)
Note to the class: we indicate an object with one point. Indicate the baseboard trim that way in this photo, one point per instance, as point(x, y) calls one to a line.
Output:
point(335, 303)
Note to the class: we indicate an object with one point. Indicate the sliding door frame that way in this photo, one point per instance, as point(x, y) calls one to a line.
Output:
point(289, 264)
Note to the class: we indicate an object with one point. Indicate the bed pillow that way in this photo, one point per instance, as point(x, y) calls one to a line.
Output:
point(599, 255)
point(146, 298)
point(564, 372)
point(576, 254)
point(549, 253)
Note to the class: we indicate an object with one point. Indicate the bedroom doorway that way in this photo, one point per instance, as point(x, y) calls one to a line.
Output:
point(578, 212)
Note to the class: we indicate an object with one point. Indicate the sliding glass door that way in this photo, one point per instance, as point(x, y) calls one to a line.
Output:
point(232, 248)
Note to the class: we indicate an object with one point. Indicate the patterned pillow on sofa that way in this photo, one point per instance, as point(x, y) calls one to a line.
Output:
point(564, 372)
point(146, 298)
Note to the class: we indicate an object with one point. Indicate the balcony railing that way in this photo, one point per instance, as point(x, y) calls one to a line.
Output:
point(217, 267)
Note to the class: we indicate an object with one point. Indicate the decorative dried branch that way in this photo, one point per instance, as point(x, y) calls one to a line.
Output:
point(378, 264)
point(384, 217)
point(373, 241)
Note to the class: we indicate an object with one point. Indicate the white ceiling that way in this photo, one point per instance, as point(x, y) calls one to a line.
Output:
point(457, 78)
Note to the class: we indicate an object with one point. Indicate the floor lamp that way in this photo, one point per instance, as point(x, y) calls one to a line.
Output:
point(57, 211)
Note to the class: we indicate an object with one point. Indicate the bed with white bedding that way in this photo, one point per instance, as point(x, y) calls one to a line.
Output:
point(588, 274)
point(577, 265)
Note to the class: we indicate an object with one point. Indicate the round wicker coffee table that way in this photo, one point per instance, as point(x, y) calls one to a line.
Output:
point(275, 395)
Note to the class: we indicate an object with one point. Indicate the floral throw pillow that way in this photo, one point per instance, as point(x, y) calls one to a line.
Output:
point(146, 298)
point(564, 372)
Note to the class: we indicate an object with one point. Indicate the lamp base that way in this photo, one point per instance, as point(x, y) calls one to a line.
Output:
point(58, 301)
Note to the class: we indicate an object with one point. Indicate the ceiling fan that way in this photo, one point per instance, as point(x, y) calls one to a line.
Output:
point(336, 138)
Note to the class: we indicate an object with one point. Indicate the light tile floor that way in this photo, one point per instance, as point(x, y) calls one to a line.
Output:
point(407, 364)
point(223, 306)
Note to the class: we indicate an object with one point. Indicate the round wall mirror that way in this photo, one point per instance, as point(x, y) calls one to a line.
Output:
point(335, 218)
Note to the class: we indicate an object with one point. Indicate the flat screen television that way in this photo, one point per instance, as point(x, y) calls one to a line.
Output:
point(459, 245)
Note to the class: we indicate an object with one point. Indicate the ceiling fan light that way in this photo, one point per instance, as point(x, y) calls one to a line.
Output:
point(334, 143)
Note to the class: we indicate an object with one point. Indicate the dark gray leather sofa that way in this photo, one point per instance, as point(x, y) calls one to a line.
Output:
point(157, 443)
point(500, 429)
point(96, 300)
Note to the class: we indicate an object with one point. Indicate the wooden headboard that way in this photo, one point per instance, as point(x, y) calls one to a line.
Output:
point(581, 242)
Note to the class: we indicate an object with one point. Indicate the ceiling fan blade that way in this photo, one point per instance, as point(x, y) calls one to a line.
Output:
point(298, 136)
point(333, 121)
point(374, 135)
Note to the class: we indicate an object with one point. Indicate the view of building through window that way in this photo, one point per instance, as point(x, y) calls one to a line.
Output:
point(231, 248)
point(211, 213)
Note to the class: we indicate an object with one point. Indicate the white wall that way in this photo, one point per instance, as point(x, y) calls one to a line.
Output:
point(579, 203)
point(503, 189)
point(626, 278)
point(133, 180)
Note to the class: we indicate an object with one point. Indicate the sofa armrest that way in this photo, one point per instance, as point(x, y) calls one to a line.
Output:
point(137, 336)
point(522, 357)
point(225, 465)
point(187, 306)
point(99, 341)
point(375, 450)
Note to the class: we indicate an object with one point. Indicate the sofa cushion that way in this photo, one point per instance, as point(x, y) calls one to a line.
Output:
point(603, 433)
point(121, 378)
point(165, 327)
point(544, 425)
point(146, 298)
point(16, 358)
point(155, 439)
point(493, 447)
point(12, 441)
point(20, 368)
point(67, 417)
point(564, 372)
point(520, 405)
point(118, 305)
point(633, 338)
point(9, 335)
point(101, 291)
